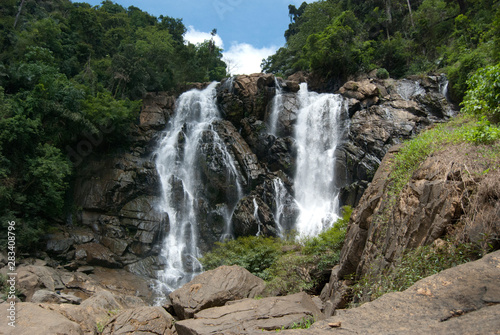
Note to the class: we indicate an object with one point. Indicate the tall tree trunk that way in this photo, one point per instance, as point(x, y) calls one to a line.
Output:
point(411, 16)
point(388, 13)
point(18, 13)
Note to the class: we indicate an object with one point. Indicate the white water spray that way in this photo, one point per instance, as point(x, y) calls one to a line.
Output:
point(189, 133)
point(277, 106)
point(317, 135)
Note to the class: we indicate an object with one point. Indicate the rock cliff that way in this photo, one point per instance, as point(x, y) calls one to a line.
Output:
point(454, 192)
point(116, 221)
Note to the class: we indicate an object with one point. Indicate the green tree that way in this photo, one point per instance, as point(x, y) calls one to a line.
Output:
point(483, 96)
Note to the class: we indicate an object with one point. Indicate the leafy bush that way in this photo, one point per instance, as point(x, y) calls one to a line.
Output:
point(482, 133)
point(483, 95)
point(254, 253)
point(325, 248)
point(382, 73)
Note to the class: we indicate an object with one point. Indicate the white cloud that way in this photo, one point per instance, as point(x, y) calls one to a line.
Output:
point(194, 36)
point(243, 58)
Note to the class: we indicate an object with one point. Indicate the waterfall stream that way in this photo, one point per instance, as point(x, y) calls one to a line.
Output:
point(317, 134)
point(187, 138)
point(277, 105)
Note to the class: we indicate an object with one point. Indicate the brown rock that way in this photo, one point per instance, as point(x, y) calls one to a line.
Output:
point(251, 316)
point(215, 288)
point(141, 320)
point(33, 319)
point(450, 302)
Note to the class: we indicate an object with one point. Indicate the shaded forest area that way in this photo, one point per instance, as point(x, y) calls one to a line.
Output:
point(69, 70)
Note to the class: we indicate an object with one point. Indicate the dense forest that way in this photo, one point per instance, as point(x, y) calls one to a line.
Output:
point(70, 69)
point(341, 38)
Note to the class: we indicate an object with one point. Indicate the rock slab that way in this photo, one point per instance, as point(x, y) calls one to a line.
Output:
point(251, 316)
point(215, 288)
point(142, 320)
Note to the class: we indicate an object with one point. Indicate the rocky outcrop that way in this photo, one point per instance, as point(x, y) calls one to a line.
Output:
point(41, 283)
point(461, 300)
point(245, 96)
point(384, 113)
point(215, 288)
point(443, 195)
point(116, 221)
point(252, 316)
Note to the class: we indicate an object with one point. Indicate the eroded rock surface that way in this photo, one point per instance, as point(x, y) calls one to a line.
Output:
point(252, 316)
point(215, 288)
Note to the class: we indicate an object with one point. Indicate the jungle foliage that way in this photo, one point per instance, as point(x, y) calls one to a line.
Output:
point(342, 38)
point(68, 69)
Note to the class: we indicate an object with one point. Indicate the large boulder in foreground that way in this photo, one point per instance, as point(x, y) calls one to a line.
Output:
point(32, 319)
point(215, 288)
point(252, 316)
point(142, 320)
point(461, 300)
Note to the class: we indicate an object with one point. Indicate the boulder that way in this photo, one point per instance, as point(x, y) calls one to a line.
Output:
point(33, 319)
point(96, 310)
point(96, 254)
point(141, 320)
point(250, 316)
point(46, 296)
point(32, 278)
point(215, 288)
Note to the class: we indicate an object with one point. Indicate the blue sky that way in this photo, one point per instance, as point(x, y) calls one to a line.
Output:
point(248, 30)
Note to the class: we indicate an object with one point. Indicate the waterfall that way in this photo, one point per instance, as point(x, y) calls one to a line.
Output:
point(280, 202)
point(188, 136)
point(407, 89)
point(277, 106)
point(317, 135)
point(256, 215)
point(443, 86)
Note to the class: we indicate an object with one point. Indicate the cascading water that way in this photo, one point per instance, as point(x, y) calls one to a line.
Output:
point(279, 200)
point(277, 106)
point(408, 89)
point(188, 135)
point(317, 135)
point(256, 215)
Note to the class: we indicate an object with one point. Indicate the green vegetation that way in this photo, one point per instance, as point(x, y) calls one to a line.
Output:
point(413, 265)
point(288, 265)
point(70, 72)
point(339, 38)
point(305, 323)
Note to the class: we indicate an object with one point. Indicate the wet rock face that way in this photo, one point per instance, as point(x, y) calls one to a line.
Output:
point(384, 113)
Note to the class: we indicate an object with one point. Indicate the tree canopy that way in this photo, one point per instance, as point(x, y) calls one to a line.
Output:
point(68, 69)
point(341, 38)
